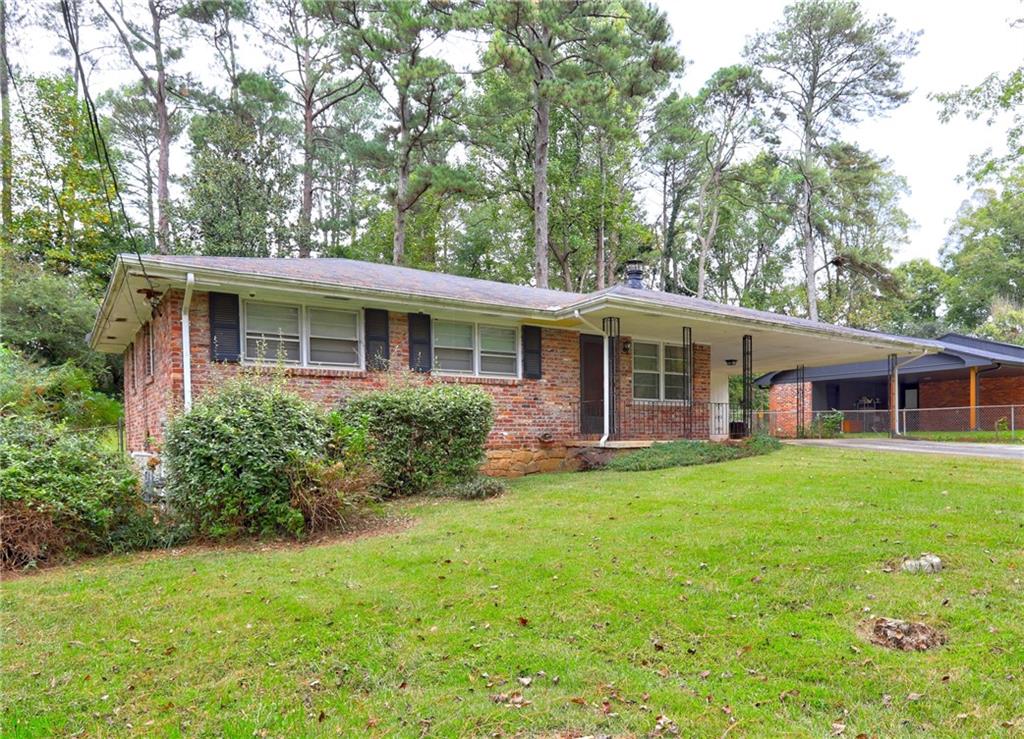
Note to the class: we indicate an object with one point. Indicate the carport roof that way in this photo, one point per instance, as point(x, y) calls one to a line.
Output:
point(959, 351)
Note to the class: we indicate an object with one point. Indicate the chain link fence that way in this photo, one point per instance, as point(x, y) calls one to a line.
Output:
point(981, 423)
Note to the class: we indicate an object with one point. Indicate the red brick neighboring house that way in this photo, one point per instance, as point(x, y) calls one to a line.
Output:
point(971, 384)
point(621, 366)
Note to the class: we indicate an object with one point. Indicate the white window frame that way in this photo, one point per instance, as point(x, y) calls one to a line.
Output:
point(477, 372)
point(307, 344)
point(304, 336)
point(661, 372)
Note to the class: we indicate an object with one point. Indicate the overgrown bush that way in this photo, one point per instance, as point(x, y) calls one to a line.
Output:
point(331, 496)
point(229, 457)
point(61, 393)
point(688, 453)
point(61, 491)
point(475, 488)
point(424, 437)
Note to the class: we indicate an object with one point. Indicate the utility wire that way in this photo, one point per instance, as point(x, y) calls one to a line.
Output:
point(101, 147)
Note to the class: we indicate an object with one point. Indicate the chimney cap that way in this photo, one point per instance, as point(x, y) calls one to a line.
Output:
point(635, 274)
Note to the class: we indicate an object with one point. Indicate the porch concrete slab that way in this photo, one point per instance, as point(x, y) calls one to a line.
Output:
point(914, 446)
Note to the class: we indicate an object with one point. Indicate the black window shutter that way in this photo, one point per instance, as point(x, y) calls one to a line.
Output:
point(225, 328)
point(378, 347)
point(419, 342)
point(531, 352)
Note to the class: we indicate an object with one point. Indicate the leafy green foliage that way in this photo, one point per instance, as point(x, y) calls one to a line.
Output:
point(424, 436)
point(687, 453)
point(47, 315)
point(63, 393)
point(984, 254)
point(228, 459)
point(1005, 323)
point(70, 479)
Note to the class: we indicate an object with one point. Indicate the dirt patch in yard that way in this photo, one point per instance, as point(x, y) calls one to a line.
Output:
point(905, 636)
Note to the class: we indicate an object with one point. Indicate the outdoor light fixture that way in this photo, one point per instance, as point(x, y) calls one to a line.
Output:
point(626, 346)
point(730, 363)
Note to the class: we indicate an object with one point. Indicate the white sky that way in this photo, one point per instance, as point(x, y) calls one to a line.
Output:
point(962, 43)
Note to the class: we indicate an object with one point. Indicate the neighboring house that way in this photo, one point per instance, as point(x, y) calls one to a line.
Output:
point(969, 384)
point(619, 366)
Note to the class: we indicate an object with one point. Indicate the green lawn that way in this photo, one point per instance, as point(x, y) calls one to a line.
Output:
point(709, 595)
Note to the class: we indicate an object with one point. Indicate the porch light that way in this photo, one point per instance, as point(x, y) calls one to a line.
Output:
point(626, 346)
point(730, 363)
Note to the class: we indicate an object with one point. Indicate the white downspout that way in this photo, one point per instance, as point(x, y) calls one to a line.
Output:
point(896, 389)
point(186, 343)
point(607, 390)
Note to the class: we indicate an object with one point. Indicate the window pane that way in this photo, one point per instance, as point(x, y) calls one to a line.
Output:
point(498, 364)
point(265, 318)
point(645, 357)
point(496, 339)
point(268, 349)
point(675, 358)
point(450, 334)
point(332, 324)
point(675, 387)
point(333, 351)
point(645, 386)
point(453, 360)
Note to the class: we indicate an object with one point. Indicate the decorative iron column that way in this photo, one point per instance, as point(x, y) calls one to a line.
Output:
point(748, 383)
point(801, 430)
point(688, 358)
point(611, 329)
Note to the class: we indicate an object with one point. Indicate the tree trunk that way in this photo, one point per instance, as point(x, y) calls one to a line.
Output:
point(541, 139)
point(807, 229)
point(163, 168)
point(664, 228)
point(150, 206)
point(306, 208)
point(7, 174)
point(599, 247)
point(707, 238)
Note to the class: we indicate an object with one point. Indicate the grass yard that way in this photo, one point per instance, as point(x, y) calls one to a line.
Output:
point(723, 597)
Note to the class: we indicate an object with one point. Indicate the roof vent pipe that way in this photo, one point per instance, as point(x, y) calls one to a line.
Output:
point(635, 274)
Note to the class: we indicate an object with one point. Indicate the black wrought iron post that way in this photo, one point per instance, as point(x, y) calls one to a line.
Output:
point(611, 327)
point(748, 383)
point(688, 358)
point(801, 430)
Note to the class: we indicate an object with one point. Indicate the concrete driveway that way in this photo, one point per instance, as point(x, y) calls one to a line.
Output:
point(913, 446)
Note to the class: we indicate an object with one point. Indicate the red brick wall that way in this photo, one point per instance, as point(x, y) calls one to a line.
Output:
point(782, 402)
point(646, 419)
point(524, 409)
point(149, 400)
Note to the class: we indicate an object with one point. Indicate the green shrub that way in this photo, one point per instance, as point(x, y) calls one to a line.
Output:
point(424, 436)
point(61, 491)
point(475, 488)
point(228, 459)
point(61, 393)
point(688, 453)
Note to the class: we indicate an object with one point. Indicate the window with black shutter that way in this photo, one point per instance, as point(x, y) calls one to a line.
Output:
point(419, 342)
point(378, 345)
point(225, 328)
point(531, 352)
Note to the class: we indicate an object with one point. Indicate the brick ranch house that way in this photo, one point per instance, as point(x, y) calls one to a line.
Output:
point(622, 366)
point(970, 384)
